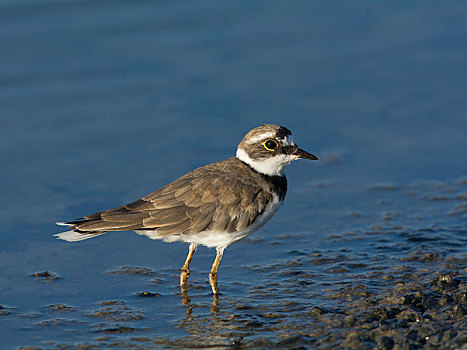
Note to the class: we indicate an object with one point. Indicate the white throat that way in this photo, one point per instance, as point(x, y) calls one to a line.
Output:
point(273, 166)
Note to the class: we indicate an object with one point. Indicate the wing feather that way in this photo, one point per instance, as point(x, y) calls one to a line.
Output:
point(214, 197)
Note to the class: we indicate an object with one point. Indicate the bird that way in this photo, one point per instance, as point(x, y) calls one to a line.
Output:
point(215, 205)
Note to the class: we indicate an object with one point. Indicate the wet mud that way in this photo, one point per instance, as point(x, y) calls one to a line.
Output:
point(397, 282)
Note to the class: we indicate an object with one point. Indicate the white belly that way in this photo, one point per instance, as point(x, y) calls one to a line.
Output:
point(219, 239)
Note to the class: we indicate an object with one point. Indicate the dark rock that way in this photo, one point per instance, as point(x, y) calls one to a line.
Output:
point(46, 276)
point(148, 294)
point(61, 307)
point(353, 340)
point(385, 343)
point(132, 270)
point(350, 321)
point(457, 312)
point(460, 298)
point(316, 311)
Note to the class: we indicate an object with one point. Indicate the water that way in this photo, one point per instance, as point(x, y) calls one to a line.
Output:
point(103, 102)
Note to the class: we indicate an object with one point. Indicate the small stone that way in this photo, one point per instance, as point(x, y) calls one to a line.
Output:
point(61, 307)
point(350, 321)
point(316, 311)
point(353, 340)
point(460, 298)
point(148, 294)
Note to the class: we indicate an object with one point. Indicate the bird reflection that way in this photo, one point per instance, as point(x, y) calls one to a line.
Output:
point(212, 320)
point(215, 327)
point(215, 303)
point(217, 321)
point(186, 302)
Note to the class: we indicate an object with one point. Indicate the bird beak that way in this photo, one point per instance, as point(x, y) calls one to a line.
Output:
point(301, 154)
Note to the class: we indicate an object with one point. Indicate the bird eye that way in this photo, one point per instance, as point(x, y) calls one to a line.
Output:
point(270, 145)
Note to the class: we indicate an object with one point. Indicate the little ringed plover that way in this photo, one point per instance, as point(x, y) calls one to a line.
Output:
point(215, 205)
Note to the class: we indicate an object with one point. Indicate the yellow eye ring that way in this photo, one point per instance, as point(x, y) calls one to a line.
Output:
point(270, 144)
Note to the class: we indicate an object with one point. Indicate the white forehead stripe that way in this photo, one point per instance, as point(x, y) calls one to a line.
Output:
point(261, 137)
point(286, 141)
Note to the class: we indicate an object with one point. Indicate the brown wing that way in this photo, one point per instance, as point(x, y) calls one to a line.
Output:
point(218, 197)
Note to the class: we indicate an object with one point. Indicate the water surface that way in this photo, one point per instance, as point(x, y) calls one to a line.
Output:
point(104, 102)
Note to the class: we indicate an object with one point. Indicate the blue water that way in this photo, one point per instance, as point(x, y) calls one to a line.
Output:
point(104, 102)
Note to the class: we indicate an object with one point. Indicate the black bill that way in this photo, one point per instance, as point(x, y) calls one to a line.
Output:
point(304, 154)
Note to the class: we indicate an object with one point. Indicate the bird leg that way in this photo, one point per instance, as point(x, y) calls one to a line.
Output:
point(213, 273)
point(185, 271)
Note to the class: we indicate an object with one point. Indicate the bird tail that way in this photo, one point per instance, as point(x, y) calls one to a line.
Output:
point(125, 218)
point(75, 234)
